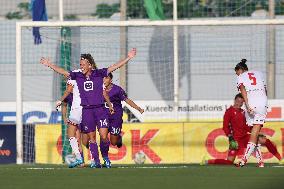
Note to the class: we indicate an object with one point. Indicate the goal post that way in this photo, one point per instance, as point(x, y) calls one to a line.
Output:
point(65, 61)
point(175, 86)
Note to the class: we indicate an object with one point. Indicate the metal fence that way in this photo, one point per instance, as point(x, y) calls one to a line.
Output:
point(202, 50)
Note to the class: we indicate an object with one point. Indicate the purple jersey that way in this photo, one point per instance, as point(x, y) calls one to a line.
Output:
point(69, 99)
point(116, 95)
point(90, 88)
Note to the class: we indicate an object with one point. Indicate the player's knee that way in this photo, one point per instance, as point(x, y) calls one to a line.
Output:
point(113, 142)
point(104, 138)
point(92, 140)
point(262, 139)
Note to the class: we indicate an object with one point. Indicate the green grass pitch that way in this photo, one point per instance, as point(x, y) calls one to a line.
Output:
point(146, 177)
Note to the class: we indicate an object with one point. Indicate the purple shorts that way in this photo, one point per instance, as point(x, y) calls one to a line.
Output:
point(115, 126)
point(115, 122)
point(93, 118)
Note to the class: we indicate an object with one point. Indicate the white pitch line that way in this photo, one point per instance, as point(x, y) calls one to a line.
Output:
point(127, 167)
point(120, 167)
point(152, 167)
point(39, 168)
point(278, 166)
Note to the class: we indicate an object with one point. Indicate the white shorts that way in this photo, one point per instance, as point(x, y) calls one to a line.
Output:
point(258, 117)
point(75, 116)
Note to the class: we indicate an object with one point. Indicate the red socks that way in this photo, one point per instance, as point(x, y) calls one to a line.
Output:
point(272, 149)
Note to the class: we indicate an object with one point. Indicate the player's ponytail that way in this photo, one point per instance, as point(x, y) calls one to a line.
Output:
point(242, 65)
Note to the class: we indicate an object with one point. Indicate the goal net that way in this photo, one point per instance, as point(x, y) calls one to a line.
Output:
point(206, 52)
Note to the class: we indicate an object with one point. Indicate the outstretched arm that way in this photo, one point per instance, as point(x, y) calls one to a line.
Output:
point(119, 64)
point(133, 105)
point(47, 62)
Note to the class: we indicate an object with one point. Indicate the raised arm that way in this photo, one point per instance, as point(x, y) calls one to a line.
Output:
point(119, 64)
point(133, 105)
point(47, 62)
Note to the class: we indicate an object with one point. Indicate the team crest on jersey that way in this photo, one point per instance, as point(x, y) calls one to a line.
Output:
point(88, 85)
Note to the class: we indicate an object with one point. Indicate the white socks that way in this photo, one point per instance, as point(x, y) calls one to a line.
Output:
point(75, 147)
point(250, 148)
point(258, 154)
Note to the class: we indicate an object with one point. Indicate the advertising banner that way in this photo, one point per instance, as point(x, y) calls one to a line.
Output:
point(159, 143)
point(207, 140)
point(197, 111)
point(155, 111)
point(8, 153)
point(47, 144)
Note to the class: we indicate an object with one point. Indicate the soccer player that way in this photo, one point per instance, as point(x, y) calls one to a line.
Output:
point(76, 116)
point(68, 102)
point(116, 95)
point(235, 128)
point(90, 84)
point(73, 100)
point(252, 85)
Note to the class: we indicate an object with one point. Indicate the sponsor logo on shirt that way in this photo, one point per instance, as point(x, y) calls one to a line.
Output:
point(88, 85)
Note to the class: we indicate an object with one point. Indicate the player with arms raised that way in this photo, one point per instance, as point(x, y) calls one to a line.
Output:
point(90, 84)
point(252, 85)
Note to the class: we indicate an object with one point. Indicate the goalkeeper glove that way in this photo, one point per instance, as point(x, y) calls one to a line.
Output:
point(233, 145)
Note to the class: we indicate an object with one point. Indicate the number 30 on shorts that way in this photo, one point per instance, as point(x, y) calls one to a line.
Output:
point(115, 131)
point(103, 122)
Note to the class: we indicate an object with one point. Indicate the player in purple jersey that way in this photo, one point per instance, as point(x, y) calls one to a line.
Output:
point(90, 85)
point(116, 95)
point(76, 115)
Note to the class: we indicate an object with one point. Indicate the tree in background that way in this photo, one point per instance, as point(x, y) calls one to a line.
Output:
point(136, 9)
point(194, 8)
point(105, 10)
point(23, 12)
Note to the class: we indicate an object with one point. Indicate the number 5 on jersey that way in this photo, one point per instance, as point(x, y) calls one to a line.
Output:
point(252, 78)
